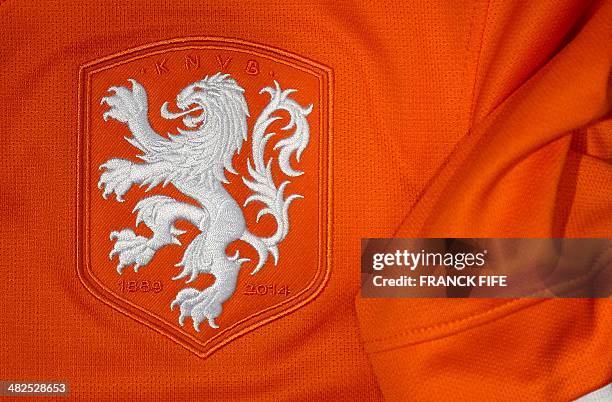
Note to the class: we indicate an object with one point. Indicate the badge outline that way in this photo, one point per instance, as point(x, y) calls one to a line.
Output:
point(190, 341)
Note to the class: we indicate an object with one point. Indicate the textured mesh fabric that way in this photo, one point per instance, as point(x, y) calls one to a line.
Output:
point(478, 118)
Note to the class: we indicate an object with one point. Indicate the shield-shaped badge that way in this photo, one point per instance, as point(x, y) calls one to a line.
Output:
point(204, 186)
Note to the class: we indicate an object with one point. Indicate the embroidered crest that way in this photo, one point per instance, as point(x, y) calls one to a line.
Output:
point(176, 162)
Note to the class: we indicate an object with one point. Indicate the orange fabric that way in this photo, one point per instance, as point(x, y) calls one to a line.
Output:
point(481, 118)
point(521, 170)
point(302, 277)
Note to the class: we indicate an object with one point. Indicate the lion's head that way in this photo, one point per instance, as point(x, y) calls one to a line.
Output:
point(207, 99)
point(215, 112)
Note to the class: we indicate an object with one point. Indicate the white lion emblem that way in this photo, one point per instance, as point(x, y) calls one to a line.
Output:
point(194, 161)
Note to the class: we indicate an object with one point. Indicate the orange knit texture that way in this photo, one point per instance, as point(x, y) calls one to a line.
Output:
point(478, 118)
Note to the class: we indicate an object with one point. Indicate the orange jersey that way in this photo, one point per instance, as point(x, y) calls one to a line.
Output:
point(430, 119)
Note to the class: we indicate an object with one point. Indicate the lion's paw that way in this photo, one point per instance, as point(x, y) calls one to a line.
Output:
point(131, 249)
point(116, 178)
point(126, 105)
point(199, 305)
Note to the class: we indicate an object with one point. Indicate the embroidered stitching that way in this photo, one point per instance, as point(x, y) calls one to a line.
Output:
point(206, 347)
point(194, 162)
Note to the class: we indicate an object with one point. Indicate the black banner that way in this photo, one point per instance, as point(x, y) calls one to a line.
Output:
point(478, 267)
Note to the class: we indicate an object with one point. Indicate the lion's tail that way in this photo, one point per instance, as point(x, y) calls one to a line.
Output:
point(263, 249)
point(261, 182)
point(275, 204)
